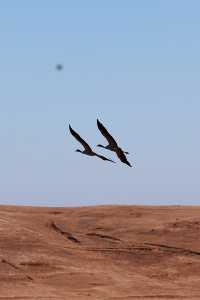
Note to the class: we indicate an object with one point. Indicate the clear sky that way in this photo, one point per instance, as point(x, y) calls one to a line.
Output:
point(133, 64)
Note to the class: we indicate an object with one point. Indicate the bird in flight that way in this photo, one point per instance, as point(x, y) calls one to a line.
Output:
point(59, 67)
point(112, 144)
point(87, 149)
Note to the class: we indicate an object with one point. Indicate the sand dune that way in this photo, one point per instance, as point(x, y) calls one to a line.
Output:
point(104, 252)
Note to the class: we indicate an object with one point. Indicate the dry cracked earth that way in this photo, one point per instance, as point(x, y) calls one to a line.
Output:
point(103, 252)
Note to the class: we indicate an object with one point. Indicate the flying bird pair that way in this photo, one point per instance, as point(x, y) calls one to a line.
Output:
point(112, 145)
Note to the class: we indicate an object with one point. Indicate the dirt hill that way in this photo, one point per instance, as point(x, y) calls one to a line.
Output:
point(103, 252)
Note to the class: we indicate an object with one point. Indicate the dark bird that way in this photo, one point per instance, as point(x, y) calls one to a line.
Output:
point(59, 67)
point(87, 149)
point(112, 144)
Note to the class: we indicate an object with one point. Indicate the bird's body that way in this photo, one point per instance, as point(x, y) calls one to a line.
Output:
point(112, 144)
point(87, 149)
point(111, 148)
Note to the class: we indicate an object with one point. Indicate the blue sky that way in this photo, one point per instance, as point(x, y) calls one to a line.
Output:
point(133, 64)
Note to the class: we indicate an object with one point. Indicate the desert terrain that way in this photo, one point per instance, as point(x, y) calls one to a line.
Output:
point(100, 252)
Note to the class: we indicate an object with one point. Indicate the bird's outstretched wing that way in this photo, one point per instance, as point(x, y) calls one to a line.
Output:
point(122, 157)
point(79, 139)
point(105, 158)
point(106, 134)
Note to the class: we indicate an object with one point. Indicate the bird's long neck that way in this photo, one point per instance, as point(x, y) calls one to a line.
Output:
point(79, 151)
point(101, 146)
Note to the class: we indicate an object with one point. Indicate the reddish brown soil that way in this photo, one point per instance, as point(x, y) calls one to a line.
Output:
point(104, 252)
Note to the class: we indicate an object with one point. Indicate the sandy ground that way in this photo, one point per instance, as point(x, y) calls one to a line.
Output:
point(104, 252)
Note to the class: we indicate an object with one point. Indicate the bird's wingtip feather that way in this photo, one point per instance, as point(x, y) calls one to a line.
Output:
point(70, 129)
